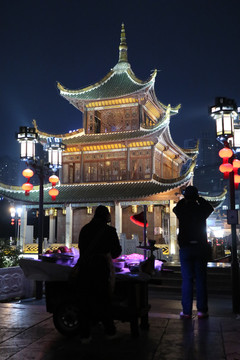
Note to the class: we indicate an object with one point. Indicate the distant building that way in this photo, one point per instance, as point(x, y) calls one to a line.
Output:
point(207, 177)
point(190, 143)
point(208, 150)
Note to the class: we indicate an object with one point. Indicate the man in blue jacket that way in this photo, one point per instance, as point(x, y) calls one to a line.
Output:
point(192, 212)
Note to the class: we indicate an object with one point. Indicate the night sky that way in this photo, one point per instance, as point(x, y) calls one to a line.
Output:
point(195, 45)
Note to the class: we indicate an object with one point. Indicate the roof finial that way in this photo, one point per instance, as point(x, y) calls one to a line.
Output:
point(123, 46)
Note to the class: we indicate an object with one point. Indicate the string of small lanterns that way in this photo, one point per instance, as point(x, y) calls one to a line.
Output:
point(27, 186)
point(53, 192)
point(226, 168)
point(27, 173)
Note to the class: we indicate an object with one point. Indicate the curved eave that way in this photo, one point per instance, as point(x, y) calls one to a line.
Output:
point(183, 178)
point(81, 137)
point(45, 135)
point(112, 86)
point(97, 192)
point(215, 200)
point(73, 134)
point(189, 155)
point(172, 110)
point(193, 152)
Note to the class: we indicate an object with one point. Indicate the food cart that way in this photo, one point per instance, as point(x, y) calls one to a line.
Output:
point(130, 299)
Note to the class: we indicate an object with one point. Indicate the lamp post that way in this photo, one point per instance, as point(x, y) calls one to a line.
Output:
point(225, 113)
point(27, 137)
point(16, 216)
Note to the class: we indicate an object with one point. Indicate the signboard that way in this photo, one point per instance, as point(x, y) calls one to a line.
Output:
point(164, 248)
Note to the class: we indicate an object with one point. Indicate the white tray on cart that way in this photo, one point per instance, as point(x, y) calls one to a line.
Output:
point(39, 270)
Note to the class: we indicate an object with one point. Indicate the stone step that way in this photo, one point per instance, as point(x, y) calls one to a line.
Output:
point(219, 279)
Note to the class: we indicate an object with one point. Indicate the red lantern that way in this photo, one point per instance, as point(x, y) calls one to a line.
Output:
point(28, 173)
point(225, 153)
point(226, 169)
point(53, 193)
point(236, 180)
point(53, 179)
point(27, 187)
point(236, 165)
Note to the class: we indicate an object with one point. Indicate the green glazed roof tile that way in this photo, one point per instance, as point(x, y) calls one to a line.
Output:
point(114, 85)
point(92, 192)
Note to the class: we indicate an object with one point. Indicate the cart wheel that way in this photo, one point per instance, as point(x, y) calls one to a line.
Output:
point(67, 320)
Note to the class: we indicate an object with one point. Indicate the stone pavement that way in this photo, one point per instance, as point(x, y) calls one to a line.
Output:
point(27, 332)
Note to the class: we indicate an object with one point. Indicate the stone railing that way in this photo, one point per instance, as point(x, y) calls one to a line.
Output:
point(13, 284)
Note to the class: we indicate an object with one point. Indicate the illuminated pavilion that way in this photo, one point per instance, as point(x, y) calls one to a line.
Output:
point(124, 157)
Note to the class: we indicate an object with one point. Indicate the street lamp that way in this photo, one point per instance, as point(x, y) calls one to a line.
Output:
point(16, 221)
point(225, 113)
point(28, 137)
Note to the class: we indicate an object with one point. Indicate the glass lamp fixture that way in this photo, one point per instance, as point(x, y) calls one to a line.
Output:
point(27, 137)
point(12, 211)
point(19, 211)
point(236, 137)
point(224, 112)
point(55, 147)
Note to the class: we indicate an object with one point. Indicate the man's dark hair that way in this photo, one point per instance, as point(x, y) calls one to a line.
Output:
point(102, 213)
point(191, 193)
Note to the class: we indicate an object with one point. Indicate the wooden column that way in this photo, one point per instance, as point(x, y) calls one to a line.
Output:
point(52, 223)
point(69, 226)
point(118, 217)
point(128, 163)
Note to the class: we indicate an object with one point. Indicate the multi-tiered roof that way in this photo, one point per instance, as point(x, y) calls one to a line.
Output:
point(120, 87)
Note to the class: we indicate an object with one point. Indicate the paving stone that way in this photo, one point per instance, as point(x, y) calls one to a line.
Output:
point(27, 332)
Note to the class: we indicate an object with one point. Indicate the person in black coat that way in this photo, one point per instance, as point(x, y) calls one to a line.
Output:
point(192, 212)
point(98, 244)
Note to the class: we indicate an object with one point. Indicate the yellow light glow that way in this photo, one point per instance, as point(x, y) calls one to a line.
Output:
point(150, 208)
point(72, 149)
point(103, 147)
point(152, 110)
point(89, 210)
point(141, 144)
point(134, 209)
point(111, 102)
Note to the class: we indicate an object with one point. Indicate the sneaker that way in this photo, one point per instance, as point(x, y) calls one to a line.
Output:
point(202, 315)
point(184, 316)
